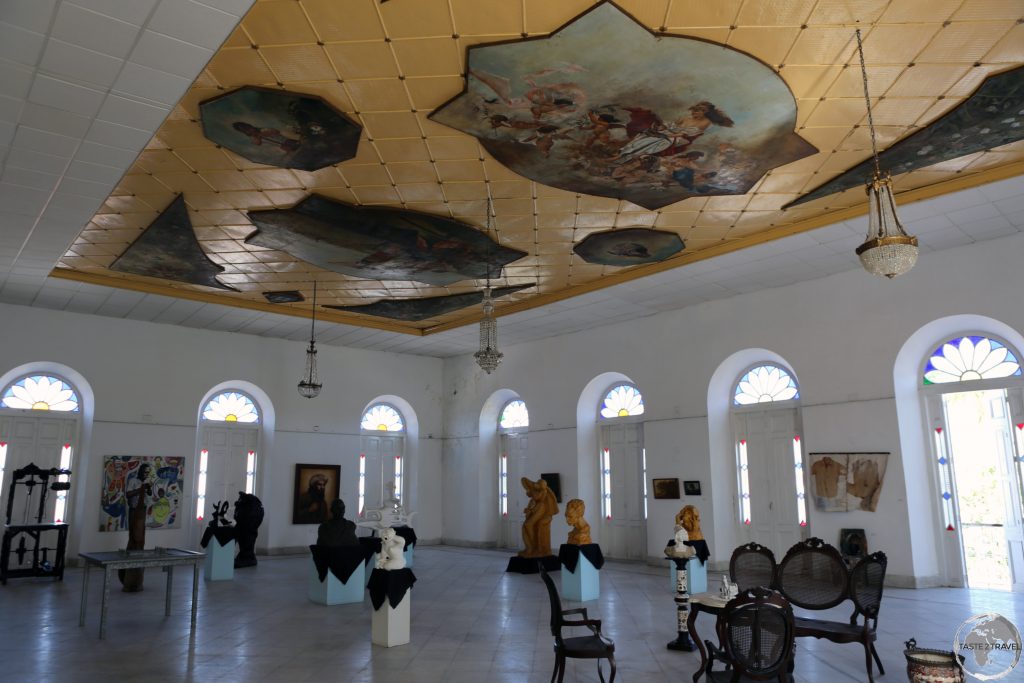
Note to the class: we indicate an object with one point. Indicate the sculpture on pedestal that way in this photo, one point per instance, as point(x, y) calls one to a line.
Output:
point(580, 532)
point(337, 531)
point(392, 548)
point(537, 525)
point(139, 493)
point(689, 519)
point(248, 517)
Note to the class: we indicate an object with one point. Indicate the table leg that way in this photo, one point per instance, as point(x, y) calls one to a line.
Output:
point(195, 594)
point(167, 598)
point(85, 592)
point(103, 604)
point(691, 622)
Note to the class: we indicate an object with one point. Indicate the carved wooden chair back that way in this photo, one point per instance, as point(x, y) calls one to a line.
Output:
point(812, 575)
point(866, 580)
point(756, 630)
point(752, 565)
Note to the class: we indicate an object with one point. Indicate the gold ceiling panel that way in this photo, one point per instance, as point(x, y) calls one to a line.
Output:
point(387, 66)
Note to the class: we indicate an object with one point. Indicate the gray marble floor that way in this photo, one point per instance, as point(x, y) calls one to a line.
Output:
point(471, 622)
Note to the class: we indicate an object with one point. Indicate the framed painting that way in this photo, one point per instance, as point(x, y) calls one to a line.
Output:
point(666, 488)
point(122, 473)
point(316, 487)
point(691, 488)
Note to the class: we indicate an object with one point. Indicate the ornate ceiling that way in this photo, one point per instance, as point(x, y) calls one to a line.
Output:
point(394, 69)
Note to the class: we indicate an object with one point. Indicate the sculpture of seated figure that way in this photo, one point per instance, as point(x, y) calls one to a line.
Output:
point(391, 551)
point(537, 525)
point(580, 532)
point(337, 531)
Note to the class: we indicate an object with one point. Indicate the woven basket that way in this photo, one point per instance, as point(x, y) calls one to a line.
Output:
point(932, 666)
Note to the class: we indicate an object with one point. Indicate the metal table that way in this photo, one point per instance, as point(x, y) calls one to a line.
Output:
point(112, 561)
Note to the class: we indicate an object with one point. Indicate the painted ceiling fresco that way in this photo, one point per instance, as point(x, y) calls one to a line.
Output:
point(992, 117)
point(279, 128)
point(379, 243)
point(574, 111)
point(629, 247)
point(586, 122)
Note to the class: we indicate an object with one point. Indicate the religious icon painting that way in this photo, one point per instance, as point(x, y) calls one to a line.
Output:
point(316, 487)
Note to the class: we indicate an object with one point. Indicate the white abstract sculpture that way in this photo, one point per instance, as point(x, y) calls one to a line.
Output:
point(391, 550)
point(680, 549)
point(391, 515)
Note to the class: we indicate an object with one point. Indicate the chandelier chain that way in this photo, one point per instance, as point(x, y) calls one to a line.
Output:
point(867, 100)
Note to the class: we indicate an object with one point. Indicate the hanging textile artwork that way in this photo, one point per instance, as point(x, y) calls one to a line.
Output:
point(163, 486)
point(847, 481)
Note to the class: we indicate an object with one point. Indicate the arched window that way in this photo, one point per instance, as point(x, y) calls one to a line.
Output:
point(40, 392)
point(765, 384)
point(967, 358)
point(623, 400)
point(382, 418)
point(231, 406)
point(514, 416)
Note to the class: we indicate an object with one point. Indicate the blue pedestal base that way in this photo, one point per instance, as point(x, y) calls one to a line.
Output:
point(330, 591)
point(409, 553)
point(697, 576)
point(219, 564)
point(582, 585)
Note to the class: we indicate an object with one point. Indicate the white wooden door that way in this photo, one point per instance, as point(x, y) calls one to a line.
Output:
point(380, 452)
point(228, 449)
point(774, 517)
point(1013, 477)
point(513, 449)
point(35, 439)
point(624, 535)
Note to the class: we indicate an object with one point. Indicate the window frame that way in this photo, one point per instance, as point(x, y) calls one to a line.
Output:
point(402, 432)
point(33, 411)
point(739, 407)
point(601, 419)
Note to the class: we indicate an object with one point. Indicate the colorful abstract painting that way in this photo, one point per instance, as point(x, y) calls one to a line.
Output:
point(629, 247)
point(168, 249)
point(380, 243)
point(991, 117)
point(414, 310)
point(163, 504)
point(605, 107)
point(280, 128)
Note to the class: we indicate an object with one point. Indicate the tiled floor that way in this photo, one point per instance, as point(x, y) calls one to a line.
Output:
point(471, 622)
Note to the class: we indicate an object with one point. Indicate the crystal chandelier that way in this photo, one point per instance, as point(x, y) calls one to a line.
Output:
point(889, 250)
point(488, 357)
point(309, 385)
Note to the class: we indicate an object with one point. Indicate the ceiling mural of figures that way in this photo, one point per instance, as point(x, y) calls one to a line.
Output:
point(993, 116)
point(381, 243)
point(572, 111)
point(168, 249)
point(415, 310)
point(280, 128)
point(629, 247)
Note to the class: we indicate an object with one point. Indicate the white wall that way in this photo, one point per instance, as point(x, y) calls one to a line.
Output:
point(148, 380)
point(840, 334)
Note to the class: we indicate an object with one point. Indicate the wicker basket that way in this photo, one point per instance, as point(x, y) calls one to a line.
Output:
point(932, 666)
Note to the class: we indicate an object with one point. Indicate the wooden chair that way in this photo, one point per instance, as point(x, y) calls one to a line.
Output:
point(752, 565)
point(593, 646)
point(756, 635)
point(866, 580)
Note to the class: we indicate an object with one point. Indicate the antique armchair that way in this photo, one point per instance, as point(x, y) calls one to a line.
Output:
point(593, 646)
point(756, 635)
point(752, 565)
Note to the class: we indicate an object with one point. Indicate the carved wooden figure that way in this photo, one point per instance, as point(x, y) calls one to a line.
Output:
point(537, 525)
point(580, 532)
point(689, 519)
point(139, 493)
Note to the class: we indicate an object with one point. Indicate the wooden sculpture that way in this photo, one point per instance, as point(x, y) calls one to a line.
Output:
point(689, 519)
point(537, 525)
point(139, 495)
point(580, 533)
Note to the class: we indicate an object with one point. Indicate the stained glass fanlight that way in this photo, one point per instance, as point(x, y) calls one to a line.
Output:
point(963, 359)
point(231, 406)
point(514, 415)
point(40, 392)
point(382, 418)
point(764, 384)
point(624, 400)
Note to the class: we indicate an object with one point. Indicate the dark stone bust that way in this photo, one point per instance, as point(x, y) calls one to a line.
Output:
point(337, 531)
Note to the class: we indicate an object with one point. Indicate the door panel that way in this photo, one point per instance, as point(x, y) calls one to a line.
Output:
point(380, 454)
point(228, 448)
point(34, 439)
point(514, 447)
point(624, 536)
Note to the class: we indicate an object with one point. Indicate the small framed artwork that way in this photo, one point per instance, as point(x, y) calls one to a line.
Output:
point(316, 487)
point(666, 488)
point(554, 483)
point(691, 488)
point(853, 542)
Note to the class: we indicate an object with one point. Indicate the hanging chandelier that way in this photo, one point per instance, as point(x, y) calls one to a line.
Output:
point(309, 385)
point(889, 251)
point(488, 357)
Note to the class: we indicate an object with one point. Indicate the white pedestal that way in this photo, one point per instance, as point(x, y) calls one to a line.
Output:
point(390, 626)
point(697, 576)
point(219, 564)
point(330, 591)
point(583, 584)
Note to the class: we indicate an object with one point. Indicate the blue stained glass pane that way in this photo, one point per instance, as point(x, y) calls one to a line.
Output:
point(942, 461)
point(946, 495)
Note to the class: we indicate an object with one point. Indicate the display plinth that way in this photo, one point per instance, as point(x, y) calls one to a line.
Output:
point(583, 584)
point(219, 564)
point(331, 591)
point(390, 596)
point(528, 565)
point(409, 554)
point(697, 572)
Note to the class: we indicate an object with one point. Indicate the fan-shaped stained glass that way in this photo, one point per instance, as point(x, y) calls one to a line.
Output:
point(967, 358)
point(765, 384)
point(623, 401)
point(231, 406)
point(514, 415)
point(40, 392)
point(382, 418)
